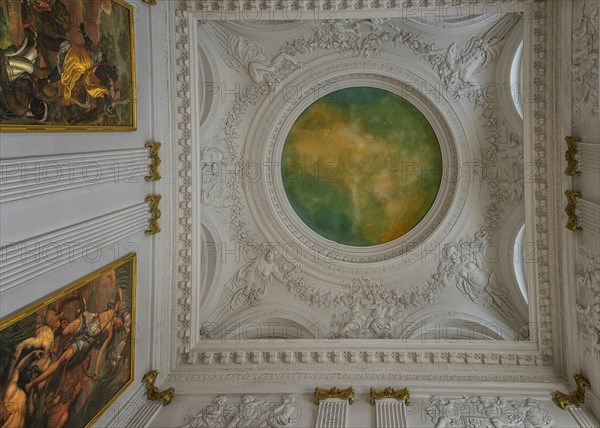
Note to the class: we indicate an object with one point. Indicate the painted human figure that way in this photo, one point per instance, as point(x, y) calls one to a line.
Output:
point(13, 404)
point(84, 333)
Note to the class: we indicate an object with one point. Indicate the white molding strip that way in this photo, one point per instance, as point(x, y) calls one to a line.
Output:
point(588, 158)
point(22, 178)
point(332, 413)
point(390, 414)
point(138, 412)
point(583, 417)
point(24, 260)
point(589, 216)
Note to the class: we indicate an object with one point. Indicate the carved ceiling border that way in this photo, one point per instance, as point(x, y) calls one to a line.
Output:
point(544, 184)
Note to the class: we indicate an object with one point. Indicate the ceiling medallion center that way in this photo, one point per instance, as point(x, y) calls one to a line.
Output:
point(361, 166)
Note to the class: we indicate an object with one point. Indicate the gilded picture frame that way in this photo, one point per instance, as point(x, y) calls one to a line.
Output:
point(67, 66)
point(67, 357)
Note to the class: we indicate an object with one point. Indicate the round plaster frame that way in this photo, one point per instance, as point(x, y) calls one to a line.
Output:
point(268, 202)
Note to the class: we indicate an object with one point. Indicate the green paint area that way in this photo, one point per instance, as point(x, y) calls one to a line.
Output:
point(361, 166)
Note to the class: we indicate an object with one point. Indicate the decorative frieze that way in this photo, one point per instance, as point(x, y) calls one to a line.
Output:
point(473, 411)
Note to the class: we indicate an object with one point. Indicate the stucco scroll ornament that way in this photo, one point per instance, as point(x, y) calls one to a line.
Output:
point(585, 61)
point(588, 300)
point(250, 412)
point(495, 412)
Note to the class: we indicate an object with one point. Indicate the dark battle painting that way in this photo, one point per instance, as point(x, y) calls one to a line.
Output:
point(66, 65)
point(65, 359)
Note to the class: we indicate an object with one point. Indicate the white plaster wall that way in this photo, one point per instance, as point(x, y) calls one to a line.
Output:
point(27, 218)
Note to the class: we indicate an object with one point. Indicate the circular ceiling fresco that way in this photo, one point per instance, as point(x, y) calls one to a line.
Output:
point(361, 166)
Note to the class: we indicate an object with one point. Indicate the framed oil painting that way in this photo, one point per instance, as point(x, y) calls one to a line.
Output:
point(66, 358)
point(67, 65)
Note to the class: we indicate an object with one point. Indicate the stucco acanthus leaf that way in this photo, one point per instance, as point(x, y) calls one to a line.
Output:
point(585, 61)
point(588, 300)
point(487, 412)
point(249, 412)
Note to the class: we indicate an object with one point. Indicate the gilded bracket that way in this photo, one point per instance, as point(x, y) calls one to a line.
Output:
point(153, 393)
point(575, 398)
point(571, 210)
point(389, 392)
point(153, 174)
point(335, 392)
point(150, 2)
point(153, 227)
point(571, 156)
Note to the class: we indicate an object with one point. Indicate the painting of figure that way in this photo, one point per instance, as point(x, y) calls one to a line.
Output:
point(66, 65)
point(65, 359)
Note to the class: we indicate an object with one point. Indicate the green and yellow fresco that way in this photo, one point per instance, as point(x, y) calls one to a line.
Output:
point(361, 166)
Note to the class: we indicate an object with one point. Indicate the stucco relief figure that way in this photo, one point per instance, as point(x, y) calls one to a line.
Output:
point(467, 272)
point(461, 64)
point(246, 56)
point(284, 414)
point(213, 175)
point(588, 301)
point(585, 61)
point(211, 416)
point(251, 282)
point(248, 413)
point(367, 318)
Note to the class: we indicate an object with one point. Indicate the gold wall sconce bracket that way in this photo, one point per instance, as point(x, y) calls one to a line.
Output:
point(389, 392)
point(571, 156)
point(335, 392)
point(571, 210)
point(153, 393)
point(575, 398)
point(153, 149)
point(153, 227)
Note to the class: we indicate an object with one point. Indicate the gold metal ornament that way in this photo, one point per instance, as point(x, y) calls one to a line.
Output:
point(153, 174)
point(389, 392)
point(153, 393)
point(335, 392)
point(571, 210)
point(575, 398)
point(571, 156)
point(153, 227)
point(150, 2)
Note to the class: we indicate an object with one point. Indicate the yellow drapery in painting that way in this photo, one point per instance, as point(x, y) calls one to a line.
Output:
point(78, 63)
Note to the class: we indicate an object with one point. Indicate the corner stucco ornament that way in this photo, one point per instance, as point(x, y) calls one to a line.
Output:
point(467, 412)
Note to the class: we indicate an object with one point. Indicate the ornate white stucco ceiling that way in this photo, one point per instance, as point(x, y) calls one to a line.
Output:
point(453, 273)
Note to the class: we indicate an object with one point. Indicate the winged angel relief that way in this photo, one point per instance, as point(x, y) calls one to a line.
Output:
point(245, 56)
point(251, 282)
